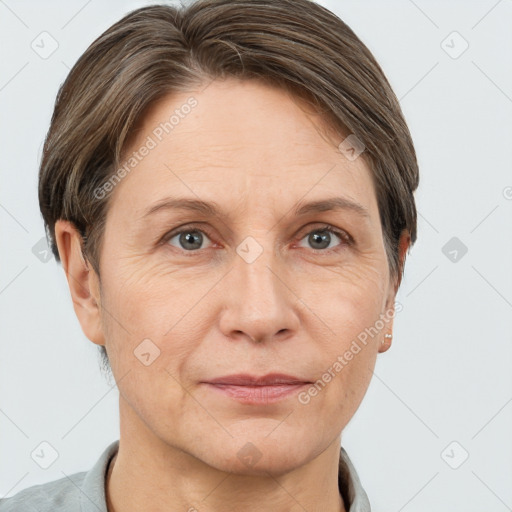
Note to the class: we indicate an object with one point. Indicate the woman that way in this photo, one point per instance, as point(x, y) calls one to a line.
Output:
point(195, 160)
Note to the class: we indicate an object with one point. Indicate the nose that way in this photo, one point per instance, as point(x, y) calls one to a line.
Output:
point(259, 303)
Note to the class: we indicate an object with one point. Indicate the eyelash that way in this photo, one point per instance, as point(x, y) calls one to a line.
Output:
point(346, 239)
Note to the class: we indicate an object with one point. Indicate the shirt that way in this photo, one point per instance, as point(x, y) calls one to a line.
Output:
point(85, 491)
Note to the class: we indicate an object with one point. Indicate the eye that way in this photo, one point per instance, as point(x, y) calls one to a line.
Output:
point(321, 238)
point(188, 239)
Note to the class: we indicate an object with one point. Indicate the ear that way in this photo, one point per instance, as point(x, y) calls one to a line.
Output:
point(83, 281)
point(403, 246)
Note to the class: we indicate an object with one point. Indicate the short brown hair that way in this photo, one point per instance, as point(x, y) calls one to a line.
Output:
point(157, 50)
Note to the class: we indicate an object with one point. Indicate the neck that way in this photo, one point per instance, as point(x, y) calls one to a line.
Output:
point(149, 474)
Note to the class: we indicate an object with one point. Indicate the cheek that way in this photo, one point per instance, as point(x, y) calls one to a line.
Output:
point(151, 298)
point(349, 302)
point(348, 355)
point(149, 344)
point(150, 309)
point(348, 298)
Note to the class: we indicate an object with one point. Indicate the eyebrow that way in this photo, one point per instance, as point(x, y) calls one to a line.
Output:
point(211, 209)
point(331, 204)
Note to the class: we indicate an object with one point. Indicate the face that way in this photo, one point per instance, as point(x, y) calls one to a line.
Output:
point(264, 284)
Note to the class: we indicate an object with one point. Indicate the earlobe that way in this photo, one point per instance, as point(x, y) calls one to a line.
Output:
point(82, 280)
point(386, 335)
point(386, 342)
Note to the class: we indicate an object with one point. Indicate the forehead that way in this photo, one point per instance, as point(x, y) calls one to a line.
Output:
point(242, 142)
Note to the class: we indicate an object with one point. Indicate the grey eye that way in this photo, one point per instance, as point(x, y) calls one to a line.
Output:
point(321, 238)
point(189, 239)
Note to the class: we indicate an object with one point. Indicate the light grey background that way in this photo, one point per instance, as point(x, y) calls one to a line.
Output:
point(447, 377)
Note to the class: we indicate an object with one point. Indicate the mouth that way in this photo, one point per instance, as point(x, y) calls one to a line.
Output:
point(257, 390)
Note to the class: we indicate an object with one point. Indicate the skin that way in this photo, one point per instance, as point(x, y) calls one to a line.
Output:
point(257, 152)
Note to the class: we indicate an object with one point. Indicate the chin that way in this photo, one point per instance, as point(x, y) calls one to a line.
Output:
point(258, 454)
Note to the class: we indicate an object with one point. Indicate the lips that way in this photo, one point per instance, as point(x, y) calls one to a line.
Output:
point(271, 379)
point(257, 390)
